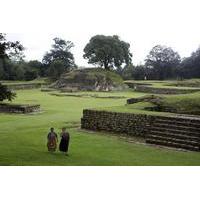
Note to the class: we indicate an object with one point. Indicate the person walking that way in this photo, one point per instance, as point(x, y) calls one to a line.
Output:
point(52, 140)
point(64, 143)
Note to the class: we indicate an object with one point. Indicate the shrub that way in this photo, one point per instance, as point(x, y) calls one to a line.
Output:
point(6, 94)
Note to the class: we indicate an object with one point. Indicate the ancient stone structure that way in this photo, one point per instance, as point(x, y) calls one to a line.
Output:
point(24, 86)
point(115, 122)
point(89, 79)
point(175, 131)
point(146, 98)
point(179, 132)
point(9, 108)
point(147, 88)
point(164, 90)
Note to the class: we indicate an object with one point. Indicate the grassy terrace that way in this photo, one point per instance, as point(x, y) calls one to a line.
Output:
point(188, 104)
point(36, 81)
point(23, 137)
point(186, 84)
point(138, 108)
point(91, 73)
point(124, 95)
point(184, 104)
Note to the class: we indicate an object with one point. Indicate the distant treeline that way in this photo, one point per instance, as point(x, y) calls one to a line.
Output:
point(163, 63)
point(109, 52)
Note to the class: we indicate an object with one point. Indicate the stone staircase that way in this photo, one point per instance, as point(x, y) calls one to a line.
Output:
point(178, 132)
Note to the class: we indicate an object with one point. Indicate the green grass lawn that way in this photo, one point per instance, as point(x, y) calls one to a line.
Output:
point(23, 137)
point(36, 81)
point(181, 104)
point(112, 94)
point(184, 103)
point(137, 108)
point(171, 84)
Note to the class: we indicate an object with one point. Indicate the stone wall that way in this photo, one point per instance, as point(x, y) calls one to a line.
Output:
point(133, 100)
point(125, 123)
point(25, 86)
point(148, 89)
point(146, 98)
point(179, 131)
point(9, 108)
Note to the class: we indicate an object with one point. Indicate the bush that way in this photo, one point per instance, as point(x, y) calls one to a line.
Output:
point(6, 94)
point(30, 75)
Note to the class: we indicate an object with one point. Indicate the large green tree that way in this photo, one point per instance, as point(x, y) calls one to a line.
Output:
point(56, 69)
point(190, 66)
point(163, 60)
point(36, 67)
point(9, 50)
point(60, 52)
point(107, 51)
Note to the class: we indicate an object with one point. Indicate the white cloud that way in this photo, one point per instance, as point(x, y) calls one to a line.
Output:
point(142, 23)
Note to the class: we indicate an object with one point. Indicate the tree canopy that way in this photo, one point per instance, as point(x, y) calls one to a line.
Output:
point(56, 68)
point(107, 51)
point(60, 54)
point(10, 49)
point(190, 66)
point(163, 60)
point(61, 50)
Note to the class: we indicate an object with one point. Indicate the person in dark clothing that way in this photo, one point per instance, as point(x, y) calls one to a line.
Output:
point(64, 143)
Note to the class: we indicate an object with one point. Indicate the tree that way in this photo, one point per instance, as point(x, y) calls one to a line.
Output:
point(2, 75)
point(139, 72)
point(6, 94)
point(30, 75)
point(9, 50)
point(56, 69)
point(190, 66)
point(18, 71)
point(107, 51)
point(61, 51)
point(36, 67)
point(127, 72)
point(163, 60)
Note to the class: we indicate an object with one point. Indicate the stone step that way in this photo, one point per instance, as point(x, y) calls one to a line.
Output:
point(178, 123)
point(173, 140)
point(176, 126)
point(175, 131)
point(172, 135)
point(193, 119)
point(173, 144)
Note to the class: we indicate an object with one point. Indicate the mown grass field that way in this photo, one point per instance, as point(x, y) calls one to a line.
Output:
point(23, 137)
point(41, 80)
point(183, 103)
point(172, 84)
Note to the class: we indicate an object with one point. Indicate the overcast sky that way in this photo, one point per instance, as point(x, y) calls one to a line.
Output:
point(142, 23)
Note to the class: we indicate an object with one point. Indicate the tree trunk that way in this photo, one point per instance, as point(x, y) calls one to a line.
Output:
point(106, 65)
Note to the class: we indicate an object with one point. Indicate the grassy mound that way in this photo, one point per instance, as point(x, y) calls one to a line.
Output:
point(165, 87)
point(162, 104)
point(90, 79)
point(168, 84)
point(185, 83)
point(183, 104)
